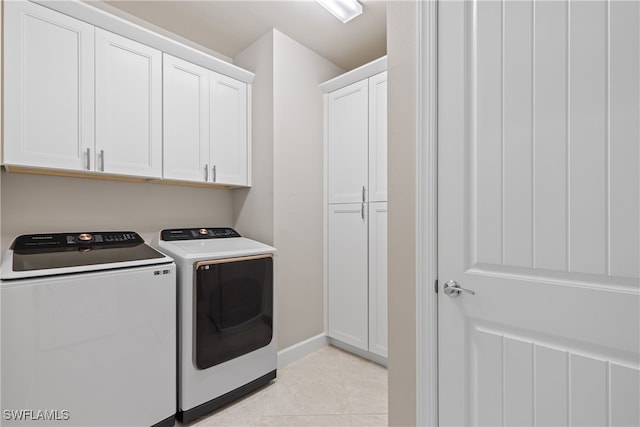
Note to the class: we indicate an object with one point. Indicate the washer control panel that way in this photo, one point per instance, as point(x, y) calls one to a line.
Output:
point(198, 233)
point(72, 241)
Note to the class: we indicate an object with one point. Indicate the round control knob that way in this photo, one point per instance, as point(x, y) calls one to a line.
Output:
point(85, 237)
point(203, 231)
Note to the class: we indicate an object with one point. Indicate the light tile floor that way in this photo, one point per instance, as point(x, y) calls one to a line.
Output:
point(327, 388)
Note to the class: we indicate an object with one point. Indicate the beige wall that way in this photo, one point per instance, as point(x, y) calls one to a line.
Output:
point(285, 202)
point(402, 102)
point(253, 208)
point(298, 186)
point(37, 203)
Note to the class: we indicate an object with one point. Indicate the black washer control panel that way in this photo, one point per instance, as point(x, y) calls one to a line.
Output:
point(198, 233)
point(73, 241)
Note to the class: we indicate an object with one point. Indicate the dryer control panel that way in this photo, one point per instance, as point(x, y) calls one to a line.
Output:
point(198, 233)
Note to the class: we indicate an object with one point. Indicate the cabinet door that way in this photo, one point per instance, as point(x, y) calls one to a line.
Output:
point(347, 143)
point(378, 278)
point(378, 138)
point(185, 120)
point(228, 130)
point(347, 274)
point(128, 106)
point(48, 84)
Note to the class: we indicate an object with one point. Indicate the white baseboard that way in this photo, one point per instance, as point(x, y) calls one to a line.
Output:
point(380, 360)
point(301, 349)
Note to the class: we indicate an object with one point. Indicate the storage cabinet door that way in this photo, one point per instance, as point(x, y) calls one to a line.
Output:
point(378, 278)
point(347, 143)
point(378, 138)
point(347, 274)
point(48, 84)
point(228, 131)
point(185, 120)
point(128, 106)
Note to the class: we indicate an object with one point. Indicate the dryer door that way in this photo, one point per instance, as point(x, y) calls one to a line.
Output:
point(234, 308)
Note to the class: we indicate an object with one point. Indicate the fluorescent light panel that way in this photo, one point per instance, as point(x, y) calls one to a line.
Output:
point(344, 10)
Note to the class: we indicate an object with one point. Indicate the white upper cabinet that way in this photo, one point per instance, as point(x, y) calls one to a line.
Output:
point(347, 143)
point(128, 106)
point(48, 84)
point(205, 125)
point(85, 98)
point(378, 138)
point(186, 120)
point(228, 130)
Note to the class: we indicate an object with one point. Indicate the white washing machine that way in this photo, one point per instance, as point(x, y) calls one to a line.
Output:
point(226, 335)
point(88, 331)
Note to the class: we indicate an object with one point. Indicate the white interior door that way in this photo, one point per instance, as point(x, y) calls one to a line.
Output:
point(538, 212)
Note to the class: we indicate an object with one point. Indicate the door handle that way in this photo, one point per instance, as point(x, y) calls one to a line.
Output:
point(453, 289)
point(206, 173)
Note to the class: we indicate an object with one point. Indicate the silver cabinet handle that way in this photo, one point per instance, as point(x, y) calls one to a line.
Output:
point(102, 160)
point(362, 211)
point(453, 289)
point(206, 173)
point(363, 194)
point(88, 159)
point(214, 173)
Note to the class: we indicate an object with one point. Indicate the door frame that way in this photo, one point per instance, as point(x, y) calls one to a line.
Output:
point(427, 215)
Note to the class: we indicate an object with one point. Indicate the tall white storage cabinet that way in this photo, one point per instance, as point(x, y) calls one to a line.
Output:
point(356, 221)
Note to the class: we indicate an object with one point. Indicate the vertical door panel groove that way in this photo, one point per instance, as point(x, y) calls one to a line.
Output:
point(568, 143)
point(533, 135)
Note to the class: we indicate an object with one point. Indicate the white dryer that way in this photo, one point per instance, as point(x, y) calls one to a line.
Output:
point(88, 331)
point(226, 336)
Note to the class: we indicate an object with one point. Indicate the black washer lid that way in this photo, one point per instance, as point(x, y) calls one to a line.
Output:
point(34, 252)
point(176, 234)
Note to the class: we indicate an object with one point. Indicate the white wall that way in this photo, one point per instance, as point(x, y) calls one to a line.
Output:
point(402, 103)
point(285, 202)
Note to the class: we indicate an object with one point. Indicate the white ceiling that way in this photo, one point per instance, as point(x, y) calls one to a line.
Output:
point(228, 27)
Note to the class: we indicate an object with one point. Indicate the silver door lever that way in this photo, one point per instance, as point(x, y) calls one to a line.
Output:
point(453, 289)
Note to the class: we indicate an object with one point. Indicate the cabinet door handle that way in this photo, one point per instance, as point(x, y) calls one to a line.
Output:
point(102, 160)
point(214, 173)
point(206, 173)
point(363, 194)
point(362, 211)
point(88, 159)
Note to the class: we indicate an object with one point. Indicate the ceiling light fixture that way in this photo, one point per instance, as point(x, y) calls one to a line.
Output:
point(344, 10)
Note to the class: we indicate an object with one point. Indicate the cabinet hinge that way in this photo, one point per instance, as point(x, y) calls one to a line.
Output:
point(436, 286)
